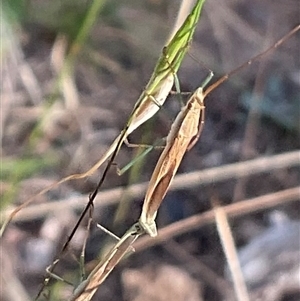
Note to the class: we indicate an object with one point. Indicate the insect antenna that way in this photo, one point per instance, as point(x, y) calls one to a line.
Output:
point(252, 60)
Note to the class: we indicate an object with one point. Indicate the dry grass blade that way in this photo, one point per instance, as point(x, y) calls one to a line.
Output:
point(229, 249)
point(86, 290)
point(151, 99)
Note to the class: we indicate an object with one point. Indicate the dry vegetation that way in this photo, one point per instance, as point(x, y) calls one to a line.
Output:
point(56, 122)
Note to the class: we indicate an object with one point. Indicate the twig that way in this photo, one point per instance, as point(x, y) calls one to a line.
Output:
point(235, 209)
point(230, 251)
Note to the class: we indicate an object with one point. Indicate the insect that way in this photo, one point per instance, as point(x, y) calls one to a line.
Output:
point(184, 133)
point(158, 87)
point(151, 99)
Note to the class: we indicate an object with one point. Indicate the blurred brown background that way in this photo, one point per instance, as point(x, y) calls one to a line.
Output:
point(57, 122)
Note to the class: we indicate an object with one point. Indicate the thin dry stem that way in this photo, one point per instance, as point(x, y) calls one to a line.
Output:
point(184, 181)
point(236, 209)
point(230, 251)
